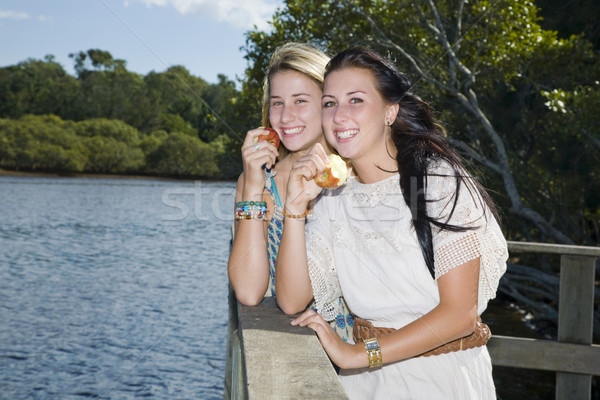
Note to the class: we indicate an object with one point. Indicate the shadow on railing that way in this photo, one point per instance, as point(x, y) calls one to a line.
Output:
point(267, 358)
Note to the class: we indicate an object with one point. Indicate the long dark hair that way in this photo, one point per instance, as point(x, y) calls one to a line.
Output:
point(419, 140)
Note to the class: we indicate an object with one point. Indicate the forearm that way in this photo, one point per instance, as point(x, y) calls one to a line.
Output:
point(248, 265)
point(292, 282)
point(453, 318)
point(438, 327)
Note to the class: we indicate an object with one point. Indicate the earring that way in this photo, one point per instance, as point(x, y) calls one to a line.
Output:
point(388, 123)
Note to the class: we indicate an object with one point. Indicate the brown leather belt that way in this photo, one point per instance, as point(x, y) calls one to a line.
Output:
point(363, 330)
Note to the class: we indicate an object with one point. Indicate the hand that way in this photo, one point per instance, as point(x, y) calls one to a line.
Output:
point(254, 156)
point(344, 355)
point(301, 187)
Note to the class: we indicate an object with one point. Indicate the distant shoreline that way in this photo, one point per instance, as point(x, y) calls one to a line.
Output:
point(39, 174)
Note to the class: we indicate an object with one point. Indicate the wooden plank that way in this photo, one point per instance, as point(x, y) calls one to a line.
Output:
point(549, 248)
point(545, 355)
point(576, 300)
point(573, 386)
point(231, 340)
point(283, 361)
point(575, 319)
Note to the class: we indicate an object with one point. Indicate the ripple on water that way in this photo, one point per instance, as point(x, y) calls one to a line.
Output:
point(104, 295)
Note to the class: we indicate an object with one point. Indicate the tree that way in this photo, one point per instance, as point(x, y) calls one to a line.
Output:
point(182, 155)
point(36, 87)
point(518, 101)
point(100, 60)
point(108, 155)
point(467, 57)
point(40, 143)
point(109, 90)
point(175, 91)
point(108, 128)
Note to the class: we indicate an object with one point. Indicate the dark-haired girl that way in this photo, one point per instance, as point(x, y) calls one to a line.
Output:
point(411, 242)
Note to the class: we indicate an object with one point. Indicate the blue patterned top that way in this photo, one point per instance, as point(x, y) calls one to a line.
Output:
point(274, 230)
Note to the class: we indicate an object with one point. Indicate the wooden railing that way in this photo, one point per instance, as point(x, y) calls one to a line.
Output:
point(573, 356)
point(267, 358)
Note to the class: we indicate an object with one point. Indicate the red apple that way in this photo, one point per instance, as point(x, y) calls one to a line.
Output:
point(335, 175)
point(272, 137)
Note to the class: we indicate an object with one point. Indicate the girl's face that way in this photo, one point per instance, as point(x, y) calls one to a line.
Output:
point(295, 109)
point(354, 114)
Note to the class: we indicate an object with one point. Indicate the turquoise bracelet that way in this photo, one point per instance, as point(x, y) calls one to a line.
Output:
point(251, 210)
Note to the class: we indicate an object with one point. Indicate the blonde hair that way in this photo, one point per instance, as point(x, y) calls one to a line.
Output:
point(299, 57)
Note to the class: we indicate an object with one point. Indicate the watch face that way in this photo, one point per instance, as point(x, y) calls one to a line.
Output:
point(371, 344)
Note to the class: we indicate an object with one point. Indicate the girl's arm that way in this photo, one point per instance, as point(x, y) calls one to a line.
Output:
point(453, 318)
point(292, 282)
point(248, 265)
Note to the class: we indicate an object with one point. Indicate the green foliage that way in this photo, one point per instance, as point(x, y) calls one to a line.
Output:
point(118, 115)
point(108, 155)
point(175, 123)
point(47, 143)
point(182, 155)
point(572, 18)
point(39, 144)
point(108, 128)
point(496, 63)
point(36, 87)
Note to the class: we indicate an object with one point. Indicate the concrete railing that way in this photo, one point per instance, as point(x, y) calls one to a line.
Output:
point(267, 358)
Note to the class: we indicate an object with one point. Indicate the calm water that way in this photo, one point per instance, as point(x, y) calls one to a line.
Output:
point(113, 288)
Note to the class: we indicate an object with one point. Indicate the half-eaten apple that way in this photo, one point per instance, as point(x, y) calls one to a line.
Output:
point(271, 137)
point(335, 174)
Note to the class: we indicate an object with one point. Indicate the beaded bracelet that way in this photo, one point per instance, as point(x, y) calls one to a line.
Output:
point(299, 216)
point(251, 210)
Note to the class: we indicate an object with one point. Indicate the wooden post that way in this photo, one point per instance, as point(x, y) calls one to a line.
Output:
point(575, 320)
point(233, 362)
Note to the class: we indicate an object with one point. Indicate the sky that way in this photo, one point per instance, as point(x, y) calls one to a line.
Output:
point(204, 36)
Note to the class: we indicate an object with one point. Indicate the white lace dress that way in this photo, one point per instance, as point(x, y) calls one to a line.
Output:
point(361, 245)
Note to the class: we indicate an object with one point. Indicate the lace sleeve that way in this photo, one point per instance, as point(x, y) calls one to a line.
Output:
point(483, 240)
point(321, 268)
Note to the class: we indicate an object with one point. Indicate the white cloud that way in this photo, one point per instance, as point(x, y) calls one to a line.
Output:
point(19, 15)
point(14, 15)
point(241, 14)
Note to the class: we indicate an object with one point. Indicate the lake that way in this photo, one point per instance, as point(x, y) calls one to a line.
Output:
point(113, 288)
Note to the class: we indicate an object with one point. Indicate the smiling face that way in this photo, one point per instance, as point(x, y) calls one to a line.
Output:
point(354, 115)
point(295, 109)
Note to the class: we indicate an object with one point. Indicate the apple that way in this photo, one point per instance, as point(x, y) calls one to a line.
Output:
point(335, 175)
point(272, 137)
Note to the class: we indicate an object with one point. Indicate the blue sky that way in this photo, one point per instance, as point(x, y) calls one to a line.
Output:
point(204, 36)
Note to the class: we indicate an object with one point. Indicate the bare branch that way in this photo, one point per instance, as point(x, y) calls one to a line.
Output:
point(481, 159)
point(444, 42)
point(471, 104)
point(469, 101)
point(459, 16)
point(412, 60)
